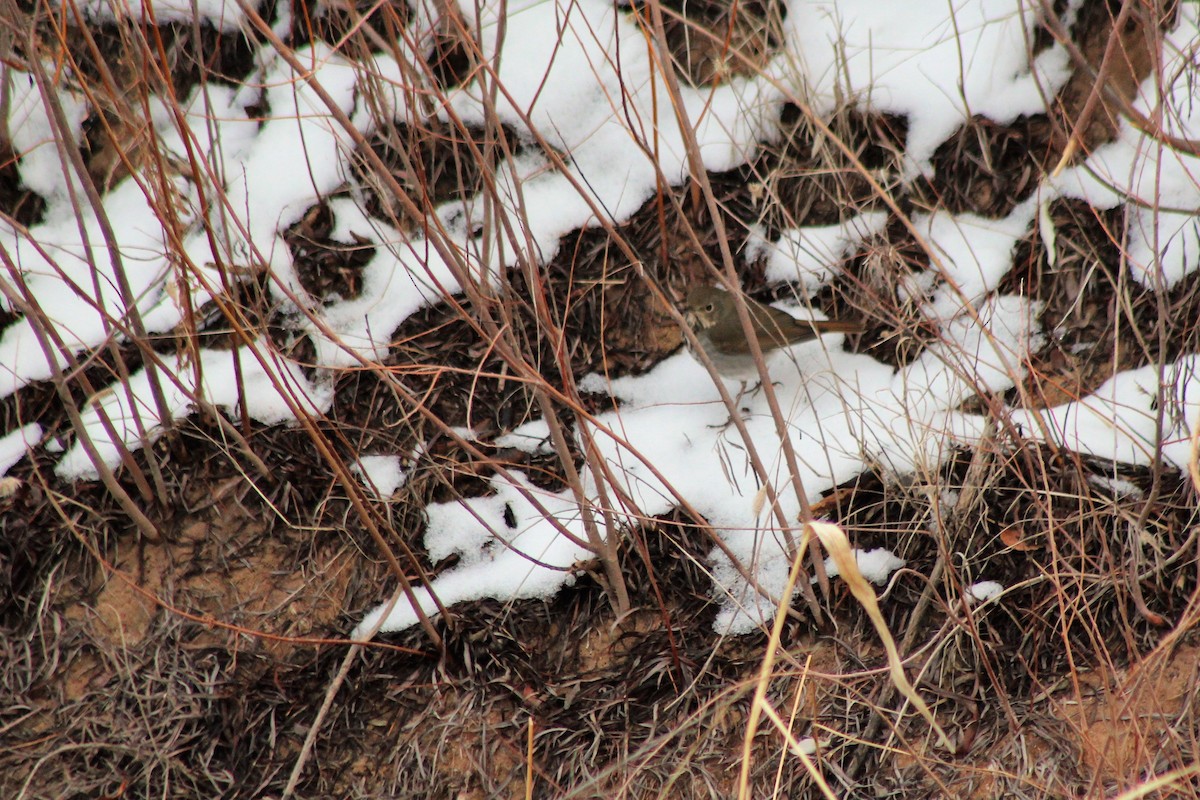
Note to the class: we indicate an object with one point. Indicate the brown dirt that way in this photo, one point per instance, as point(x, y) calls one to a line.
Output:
point(1127, 721)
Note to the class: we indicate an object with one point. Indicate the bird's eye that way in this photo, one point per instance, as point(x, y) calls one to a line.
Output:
point(709, 307)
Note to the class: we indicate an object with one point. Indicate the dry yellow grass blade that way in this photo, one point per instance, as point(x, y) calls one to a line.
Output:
point(838, 546)
point(1168, 780)
point(760, 704)
point(799, 750)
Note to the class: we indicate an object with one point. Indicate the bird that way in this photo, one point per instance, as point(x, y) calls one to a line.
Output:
point(712, 315)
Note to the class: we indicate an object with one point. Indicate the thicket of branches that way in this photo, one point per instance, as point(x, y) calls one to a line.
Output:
point(175, 627)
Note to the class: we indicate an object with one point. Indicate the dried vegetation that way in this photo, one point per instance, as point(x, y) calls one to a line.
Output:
point(192, 662)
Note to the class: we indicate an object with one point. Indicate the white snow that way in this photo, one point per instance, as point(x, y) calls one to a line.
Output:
point(523, 555)
point(532, 437)
point(225, 15)
point(936, 63)
point(669, 445)
point(384, 475)
point(811, 256)
point(15, 444)
point(1137, 416)
point(584, 77)
point(976, 253)
point(1119, 487)
point(1160, 186)
point(875, 565)
point(273, 390)
point(984, 591)
point(35, 138)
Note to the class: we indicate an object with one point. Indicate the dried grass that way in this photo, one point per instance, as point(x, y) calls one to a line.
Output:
point(117, 683)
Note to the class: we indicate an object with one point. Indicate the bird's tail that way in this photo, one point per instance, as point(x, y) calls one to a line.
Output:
point(823, 326)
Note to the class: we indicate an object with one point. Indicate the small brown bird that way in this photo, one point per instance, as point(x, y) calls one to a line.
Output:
point(713, 317)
